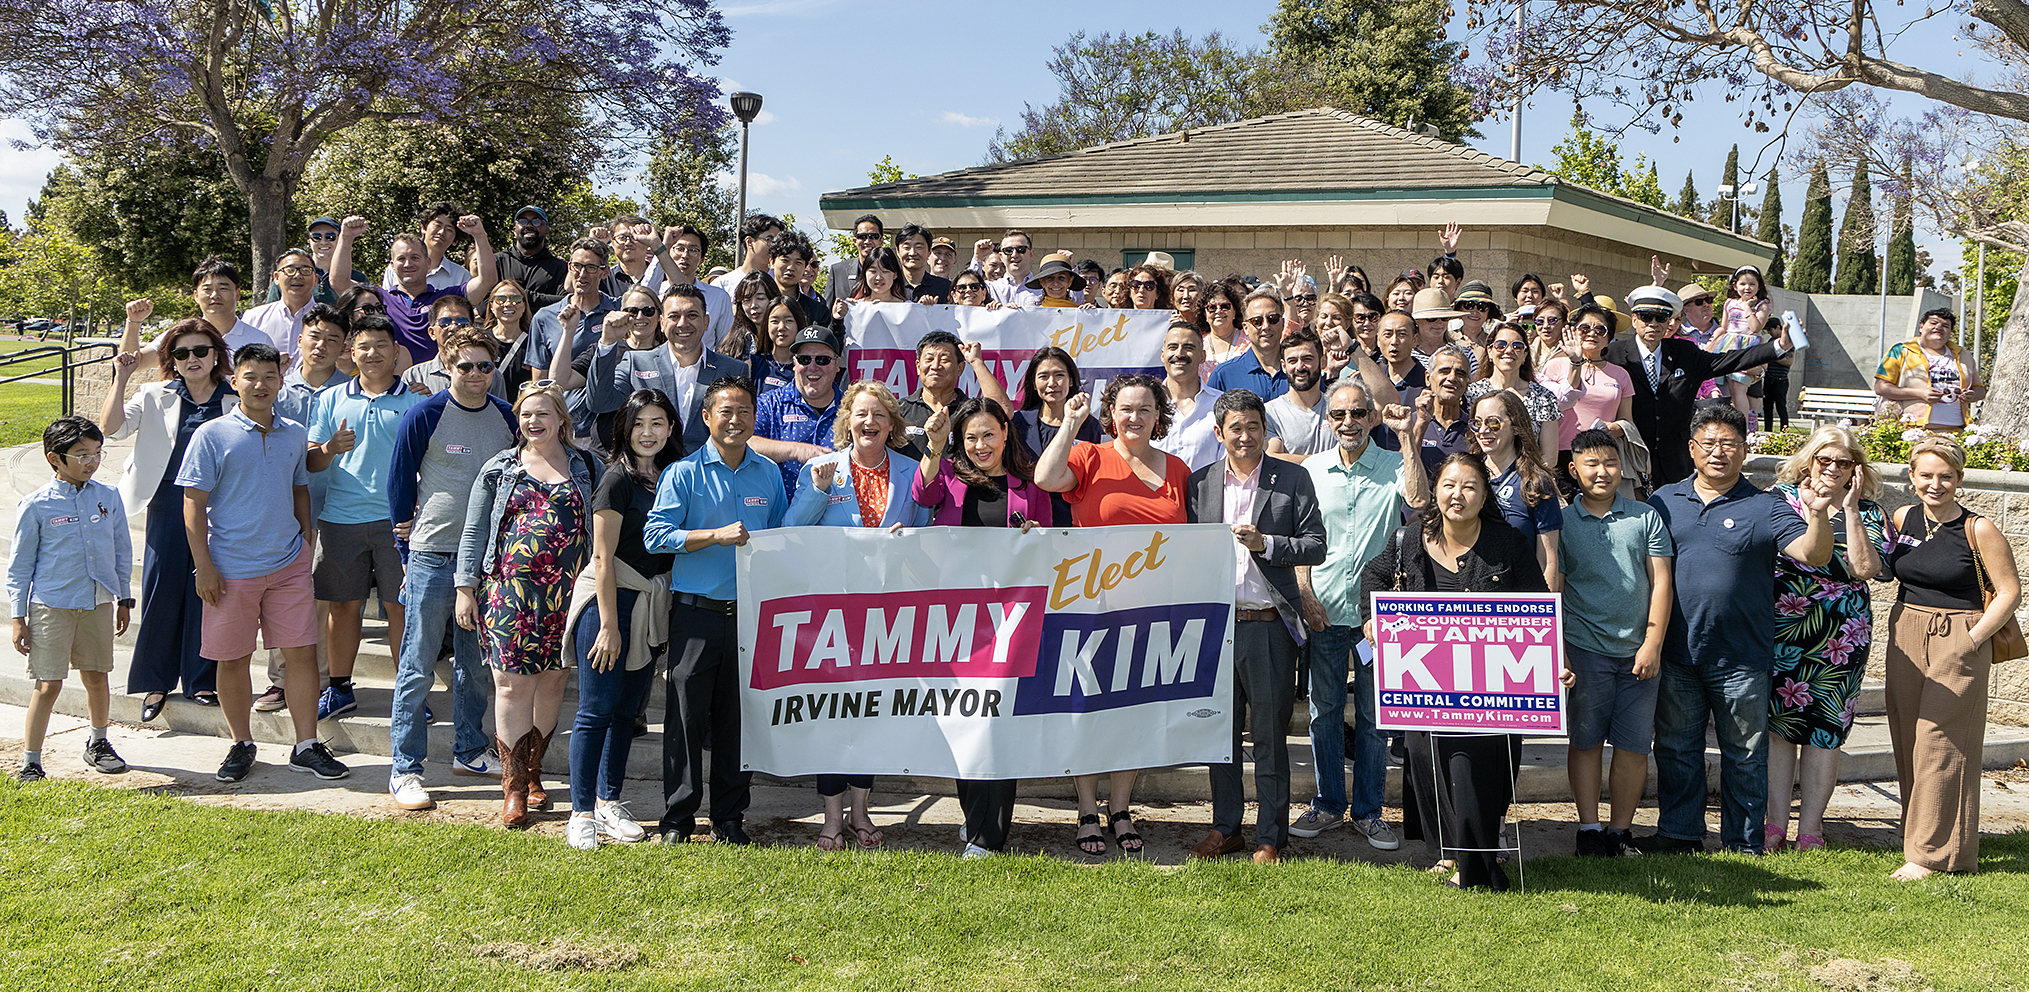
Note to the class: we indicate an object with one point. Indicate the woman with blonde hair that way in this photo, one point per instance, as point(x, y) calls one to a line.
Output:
point(1824, 625)
point(527, 533)
point(1940, 656)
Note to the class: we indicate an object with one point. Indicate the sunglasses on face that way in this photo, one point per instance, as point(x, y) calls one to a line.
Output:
point(1827, 461)
point(867, 236)
point(970, 287)
point(1358, 413)
point(508, 299)
point(1589, 329)
point(1487, 423)
point(1365, 318)
point(454, 322)
point(1303, 297)
point(1014, 249)
point(818, 360)
point(1508, 345)
point(1266, 320)
point(184, 354)
point(1549, 321)
point(1143, 284)
point(323, 236)
point(470, 367)
point(642, 312)
point(1218, 308)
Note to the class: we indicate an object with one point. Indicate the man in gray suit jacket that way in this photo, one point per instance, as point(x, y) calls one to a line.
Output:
point(1272, 508)
point(683, 369)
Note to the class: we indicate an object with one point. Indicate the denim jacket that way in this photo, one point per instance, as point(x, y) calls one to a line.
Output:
point(479, 546)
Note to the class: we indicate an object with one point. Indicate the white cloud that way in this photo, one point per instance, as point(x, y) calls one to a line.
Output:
point(954, 117)
point(765, 8)
point(766, 116)
point(761, 184)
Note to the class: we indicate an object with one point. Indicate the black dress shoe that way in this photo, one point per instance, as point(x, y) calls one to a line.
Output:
point(730, 832)
point(677, 833)
point(151, 705)
point(1656, 843)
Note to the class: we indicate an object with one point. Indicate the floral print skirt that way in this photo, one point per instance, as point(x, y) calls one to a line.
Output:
point(529, 592)
point(1823, 630)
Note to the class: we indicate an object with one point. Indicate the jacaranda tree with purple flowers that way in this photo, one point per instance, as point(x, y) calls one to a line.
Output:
point(268, 82)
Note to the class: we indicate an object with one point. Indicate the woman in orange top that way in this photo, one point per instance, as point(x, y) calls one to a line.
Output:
point(1123, 481)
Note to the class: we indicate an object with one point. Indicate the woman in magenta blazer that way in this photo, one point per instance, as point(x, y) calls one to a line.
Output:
point(988, 482)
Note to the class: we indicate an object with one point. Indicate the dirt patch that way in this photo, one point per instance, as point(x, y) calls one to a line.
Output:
point(2019, 772)
point(1850, 975)
point(560, 956)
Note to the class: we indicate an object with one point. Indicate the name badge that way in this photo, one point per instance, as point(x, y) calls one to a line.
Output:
point(757, 501)
point(457, 449)
point(840, 498)
point(59, 521)
point(647, 373)
point(793, 418)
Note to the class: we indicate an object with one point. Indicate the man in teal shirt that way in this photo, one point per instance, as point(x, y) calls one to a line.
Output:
point(1361, 488)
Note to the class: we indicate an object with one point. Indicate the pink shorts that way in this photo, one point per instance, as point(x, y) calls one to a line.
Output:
point(281, 605)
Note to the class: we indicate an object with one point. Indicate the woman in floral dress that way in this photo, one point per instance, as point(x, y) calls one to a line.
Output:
point(526, 534)
point(1824, 623)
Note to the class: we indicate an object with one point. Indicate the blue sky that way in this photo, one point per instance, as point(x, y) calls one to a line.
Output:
point(844, 88)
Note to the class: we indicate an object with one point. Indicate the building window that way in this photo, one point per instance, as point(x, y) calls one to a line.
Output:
point(1184, 257)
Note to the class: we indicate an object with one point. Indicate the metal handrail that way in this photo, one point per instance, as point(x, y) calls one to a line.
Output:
point(66, 368)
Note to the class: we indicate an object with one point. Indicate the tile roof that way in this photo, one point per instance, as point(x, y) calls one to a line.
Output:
point(1320, 149)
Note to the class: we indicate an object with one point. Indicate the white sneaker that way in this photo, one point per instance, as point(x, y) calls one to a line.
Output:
point(975, 851)
point(484, 765)
point(1380, 836)
point(614, 821)
point(582, 832)
point(409, 793)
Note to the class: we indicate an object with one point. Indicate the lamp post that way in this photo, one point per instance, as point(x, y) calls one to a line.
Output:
point(746, 106)
point(1732, 198)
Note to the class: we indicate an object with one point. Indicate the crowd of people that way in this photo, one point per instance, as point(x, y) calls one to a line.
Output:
point(542, 462)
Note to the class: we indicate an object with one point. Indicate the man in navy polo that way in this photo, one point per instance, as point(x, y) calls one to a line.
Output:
point(1260, 370)
point(793, 423)
point(705, 506)
point(1721, 640)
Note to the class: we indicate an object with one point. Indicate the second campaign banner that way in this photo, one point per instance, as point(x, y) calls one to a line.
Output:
point(1105, 343)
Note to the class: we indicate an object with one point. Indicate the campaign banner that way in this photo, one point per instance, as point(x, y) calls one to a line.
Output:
point(983, 652)
point(1469, 662)
point(881, 339)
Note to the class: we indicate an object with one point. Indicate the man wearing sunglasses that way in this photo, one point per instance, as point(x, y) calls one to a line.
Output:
point(1260, 370)
point(1011, 289)
point(793, 423)
point(528, 259)
point(754, 234)
point(868, 235)
point(439, 447)
point(323, 239)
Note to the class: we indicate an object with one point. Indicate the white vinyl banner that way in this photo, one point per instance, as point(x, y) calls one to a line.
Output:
point(986, 653)
point(1105, 343)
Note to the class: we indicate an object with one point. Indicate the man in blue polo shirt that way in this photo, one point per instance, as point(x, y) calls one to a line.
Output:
point(705, 506)
point(1260, 370)
point(1721, 641)
point(793, 423)
point(352, 438)
point(408, 302)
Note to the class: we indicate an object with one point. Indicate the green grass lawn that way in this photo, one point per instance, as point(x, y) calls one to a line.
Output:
point(28, 407)
point(103, 888)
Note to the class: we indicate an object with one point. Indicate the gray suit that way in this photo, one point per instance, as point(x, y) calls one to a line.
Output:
point(617, 372)
point(1264, 651)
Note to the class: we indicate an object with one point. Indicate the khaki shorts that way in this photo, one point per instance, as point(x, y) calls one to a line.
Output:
point(61, 640)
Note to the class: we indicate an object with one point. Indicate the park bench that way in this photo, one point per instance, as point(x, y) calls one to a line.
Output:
point(1822, 404)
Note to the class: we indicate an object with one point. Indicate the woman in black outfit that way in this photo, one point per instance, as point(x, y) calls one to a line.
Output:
point(1458, 784)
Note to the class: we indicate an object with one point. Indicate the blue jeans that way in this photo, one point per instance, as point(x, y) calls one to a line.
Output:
point(1735, 697)
point(603, 733)
point(430, 599)
point(1330, 658)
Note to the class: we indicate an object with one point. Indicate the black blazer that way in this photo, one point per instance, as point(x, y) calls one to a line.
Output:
point(1665, 420)
point(1502, 560)
point(838, 284)
point(1286, 512)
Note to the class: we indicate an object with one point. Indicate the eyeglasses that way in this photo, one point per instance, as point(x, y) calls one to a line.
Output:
point(1359, 413)
point(1827, 461)
point(86, 458)
point(1217, 308)
point(1549, 322)
point(296, 270)
point(1652, 316)
point(471, 367)
point(1143, 284)
point(1487, 423)
point(1726, 444)
point(181, 354)
point(639, 311)
point(370, 308)
point(323, 236)
point(1508, 345)
point(1265, 320)
point(1302, 297)
point(454, 322)
point(589, 266)
point(509, 299)
point(818, 360)
point(1014, 249)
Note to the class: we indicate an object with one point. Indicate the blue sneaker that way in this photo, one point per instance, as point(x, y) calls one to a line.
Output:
point(335, 703)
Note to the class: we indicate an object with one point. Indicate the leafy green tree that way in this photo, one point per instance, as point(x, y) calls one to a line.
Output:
point(1771, 229)
point(1644, 187)
point(1386, 60)
point(1585, 158)
point(1902, 239)
point(50, 273)
point(1812, 271)
point(1687, 199)
point(1119, 87)
point(684, 186)
point(1857, 262)
point(152, 212)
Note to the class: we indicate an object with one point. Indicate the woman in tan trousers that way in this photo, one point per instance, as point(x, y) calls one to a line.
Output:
point(1939, 656)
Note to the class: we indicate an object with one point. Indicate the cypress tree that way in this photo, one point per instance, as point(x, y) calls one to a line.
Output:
point(1687, 199)
point(1856, 270)
point(1771, 226)
point(1902, 240)
point(1811, 270)
point(1722, 212)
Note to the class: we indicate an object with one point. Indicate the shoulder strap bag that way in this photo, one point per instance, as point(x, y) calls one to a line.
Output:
point(2009, 644)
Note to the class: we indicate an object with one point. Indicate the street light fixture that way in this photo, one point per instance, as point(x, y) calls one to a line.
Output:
point(1732, 198)
point(746, 106)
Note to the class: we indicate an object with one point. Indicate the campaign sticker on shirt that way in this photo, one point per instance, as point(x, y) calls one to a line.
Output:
point(95, 518)
point(757, 501)
point(457, 449)
point(58, 521)
point(1728, 522)
point(840, 498)
point(793, 418)
point(647, 373)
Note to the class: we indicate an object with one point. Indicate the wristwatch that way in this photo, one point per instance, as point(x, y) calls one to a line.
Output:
point(128, 602)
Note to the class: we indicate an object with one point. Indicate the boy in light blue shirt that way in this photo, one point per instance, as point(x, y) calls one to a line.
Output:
point(68, 580)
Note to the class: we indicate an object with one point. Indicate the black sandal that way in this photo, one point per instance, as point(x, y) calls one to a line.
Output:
point(151, 705)
point(1130, 842)
point(1086, 844)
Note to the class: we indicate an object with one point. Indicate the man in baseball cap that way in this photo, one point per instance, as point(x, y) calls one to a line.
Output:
point(793, 423)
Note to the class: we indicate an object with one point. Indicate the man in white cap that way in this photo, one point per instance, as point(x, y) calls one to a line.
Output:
point(1667, 373)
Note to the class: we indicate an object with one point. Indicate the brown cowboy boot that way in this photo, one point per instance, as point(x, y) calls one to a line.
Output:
point(538, 797)
point(513, 781)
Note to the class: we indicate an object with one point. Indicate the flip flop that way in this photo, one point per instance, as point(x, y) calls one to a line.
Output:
point(870, 837)
point(831, 841)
